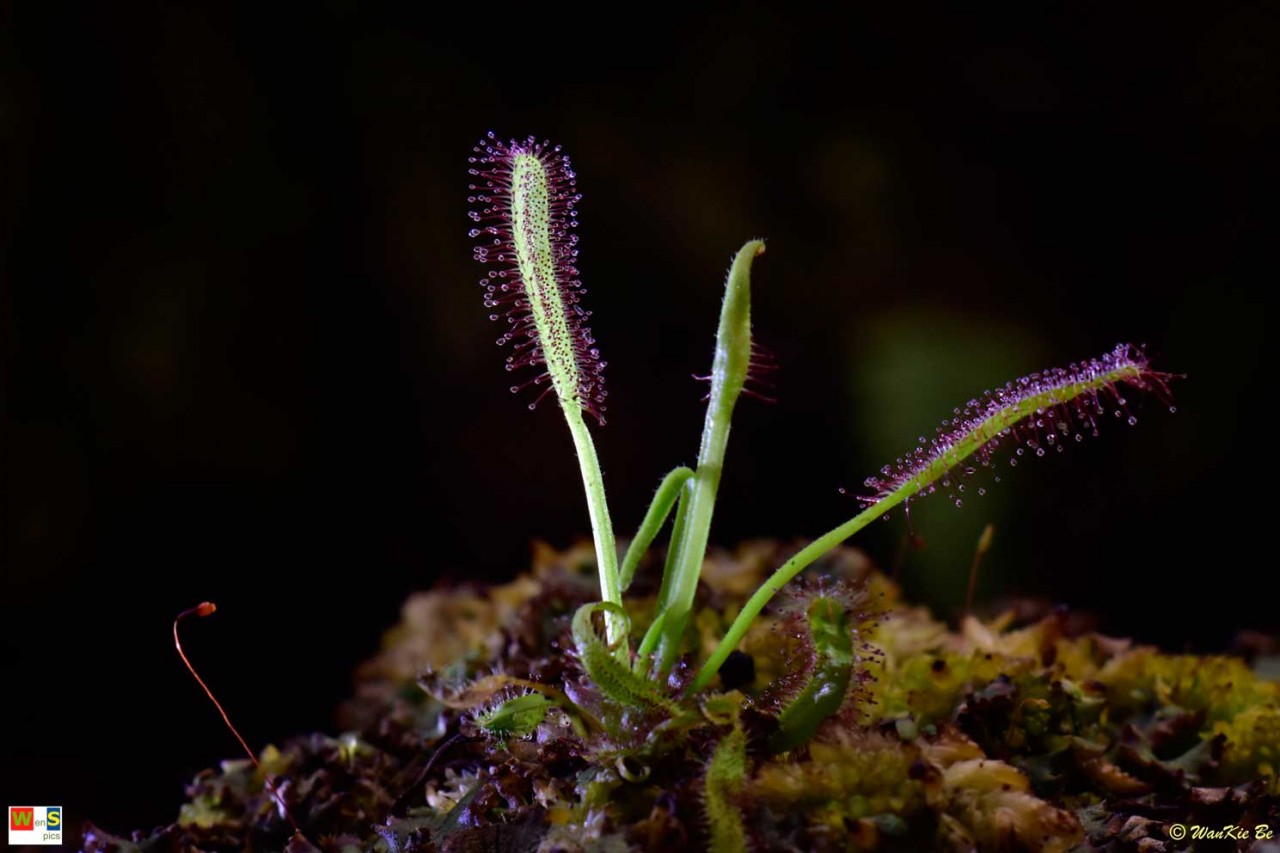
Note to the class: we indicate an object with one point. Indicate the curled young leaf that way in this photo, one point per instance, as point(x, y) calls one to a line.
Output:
point(614, 678)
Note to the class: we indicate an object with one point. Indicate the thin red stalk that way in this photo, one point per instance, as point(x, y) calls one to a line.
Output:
point(207, 608)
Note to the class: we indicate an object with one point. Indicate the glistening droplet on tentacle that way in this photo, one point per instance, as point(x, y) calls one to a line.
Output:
point(524, 195)
point(1029, 413)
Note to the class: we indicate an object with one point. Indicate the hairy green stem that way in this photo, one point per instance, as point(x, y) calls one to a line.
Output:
point(728, 375)
point(601, 526)
point(649, 642)
point(654, 634)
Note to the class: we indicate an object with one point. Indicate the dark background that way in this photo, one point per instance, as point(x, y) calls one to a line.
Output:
point(245, 357)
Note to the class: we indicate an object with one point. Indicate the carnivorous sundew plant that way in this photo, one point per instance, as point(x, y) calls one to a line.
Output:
point(524, 198)
point(727, 701)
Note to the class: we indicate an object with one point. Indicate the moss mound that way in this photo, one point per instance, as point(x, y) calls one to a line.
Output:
point(476, 729)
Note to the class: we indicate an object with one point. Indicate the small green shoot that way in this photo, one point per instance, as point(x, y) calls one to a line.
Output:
point(516, 717)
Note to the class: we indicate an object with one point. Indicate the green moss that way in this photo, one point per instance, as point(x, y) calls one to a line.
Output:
point(856, 774)
point(1252, 748)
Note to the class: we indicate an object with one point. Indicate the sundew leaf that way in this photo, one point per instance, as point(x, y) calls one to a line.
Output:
point(525, 199)
point(525, 196)
point(516, 717)
point(828, 684)
point(1037, 411)
point(731, 369)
